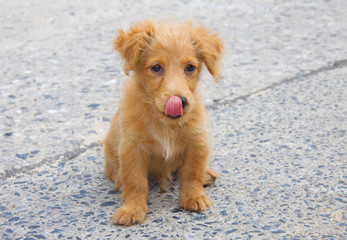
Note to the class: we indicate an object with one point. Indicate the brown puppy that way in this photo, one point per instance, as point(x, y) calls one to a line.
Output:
point(160, 126)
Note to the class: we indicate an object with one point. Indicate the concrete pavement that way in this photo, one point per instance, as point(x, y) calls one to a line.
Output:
point(278, 120)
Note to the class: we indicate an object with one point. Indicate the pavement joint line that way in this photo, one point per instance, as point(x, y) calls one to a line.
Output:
point(69, 155)
point(223, 102)
point(66, 156)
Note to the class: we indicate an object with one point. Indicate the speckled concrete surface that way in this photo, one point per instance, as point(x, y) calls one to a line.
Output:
point(278, 121)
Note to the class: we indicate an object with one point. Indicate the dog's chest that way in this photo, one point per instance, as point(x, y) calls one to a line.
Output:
point(166, 143)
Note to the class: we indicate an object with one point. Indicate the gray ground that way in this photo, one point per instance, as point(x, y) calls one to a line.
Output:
point(278, 120)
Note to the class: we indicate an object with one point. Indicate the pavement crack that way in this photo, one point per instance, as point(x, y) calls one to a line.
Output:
point(223, 102)
point(69, 155)
point(66, 156)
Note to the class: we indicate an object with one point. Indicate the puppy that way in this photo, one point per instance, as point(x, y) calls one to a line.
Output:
point(160, 126)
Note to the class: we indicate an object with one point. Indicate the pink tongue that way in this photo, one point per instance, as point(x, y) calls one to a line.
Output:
point(174, 107)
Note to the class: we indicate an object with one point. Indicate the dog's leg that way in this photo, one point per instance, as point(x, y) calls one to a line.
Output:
point(133, 169)
point(111, 144)
point(191, 177)
point(112, 166)
point(112, 162)
point(210, 177)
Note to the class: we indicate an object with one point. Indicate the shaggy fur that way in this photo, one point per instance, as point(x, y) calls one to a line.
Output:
point(143, 143)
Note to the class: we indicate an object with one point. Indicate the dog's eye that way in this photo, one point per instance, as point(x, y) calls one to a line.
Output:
point(156, 68)
point(190, 68)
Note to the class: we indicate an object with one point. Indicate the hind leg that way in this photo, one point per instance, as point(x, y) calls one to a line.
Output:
point(112, 164)
point(210, 177)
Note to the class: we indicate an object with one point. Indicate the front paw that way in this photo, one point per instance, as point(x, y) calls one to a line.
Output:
point(129, 215)
point(195, 203)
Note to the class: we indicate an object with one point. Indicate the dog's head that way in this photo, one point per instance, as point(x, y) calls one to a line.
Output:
point(167, 61)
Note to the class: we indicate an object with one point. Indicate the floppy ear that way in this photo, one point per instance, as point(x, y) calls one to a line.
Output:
point(210, 48)
point(129, 44)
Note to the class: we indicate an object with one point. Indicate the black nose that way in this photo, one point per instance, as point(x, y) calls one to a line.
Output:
point(184, 101)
